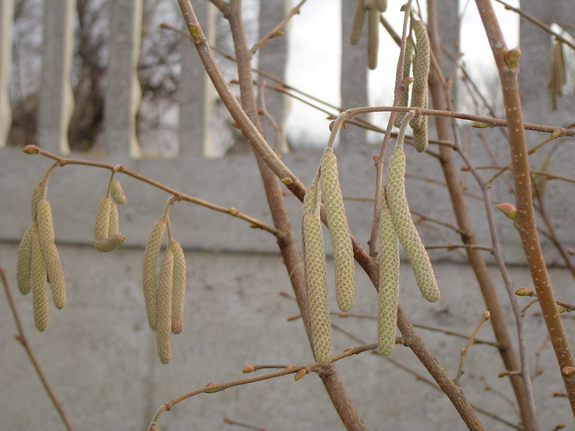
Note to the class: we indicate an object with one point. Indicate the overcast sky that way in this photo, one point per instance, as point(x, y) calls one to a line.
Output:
point(319, 23)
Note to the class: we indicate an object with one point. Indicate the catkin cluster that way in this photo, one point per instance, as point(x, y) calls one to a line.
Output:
point(39, 262)
point(164, 292)
point(329, 191)
point(396, 225)
point(373, 8)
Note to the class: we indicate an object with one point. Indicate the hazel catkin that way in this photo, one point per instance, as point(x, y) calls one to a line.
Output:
point(339, 231)
point(117, 192)
point(316, 287)
point(52, 262)
point(164, 307)
point(419, 93)
point(405, 228)
point(24, 262)
point(179, 287)
point(149, 269)
point(38, 283)
point(388, 259)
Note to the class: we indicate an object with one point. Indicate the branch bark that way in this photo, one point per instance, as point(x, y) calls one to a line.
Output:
point(507, 62)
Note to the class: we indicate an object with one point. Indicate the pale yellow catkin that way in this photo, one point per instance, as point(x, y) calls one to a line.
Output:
point(24, 262)
point(405, 228)
point(102, 222)
point(311, 204)
point(107, 236)
point(117, 193)
point(149, 269)
point(404, 96)
point(339, 231)
point(419, 93)
point(179, 287)
point(111, 243)
point(164, 307)
point(388, 259)
point(372, 38)
point(316, 287)
point(38, 193)
point(357, 23)
point(38, 283)
point(52, 261)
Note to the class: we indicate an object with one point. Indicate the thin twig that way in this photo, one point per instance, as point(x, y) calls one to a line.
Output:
point(277, 29)
point(62, 161)
point(464, 351)
point(218, 387)
point(21, 337)
point(243, 425)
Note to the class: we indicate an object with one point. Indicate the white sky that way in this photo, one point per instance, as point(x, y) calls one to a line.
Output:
point(315, 45)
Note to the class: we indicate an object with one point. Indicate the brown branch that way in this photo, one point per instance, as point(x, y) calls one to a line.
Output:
point(508, 64)
point(21, 337)
point(62, 161)
point(441, 100)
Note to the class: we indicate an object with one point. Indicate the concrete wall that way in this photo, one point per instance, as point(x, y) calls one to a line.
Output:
point(99, 354)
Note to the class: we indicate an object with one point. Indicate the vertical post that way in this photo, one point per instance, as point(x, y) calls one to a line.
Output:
point(123, 92)
point(56, 98)
point(6, 18)
point(273, 60)
point(353, 88)
point(195, 92)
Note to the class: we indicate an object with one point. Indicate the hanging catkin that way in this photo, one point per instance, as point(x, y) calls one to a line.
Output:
point(107, 236)
point(179, 287)
point(117, 193)
point(404, 97)
point(388, 281)
point(52, 261)
point(339, 231)
point(149, 269)
point(372, 37)
point(38, 283)
point(357, 23)
point(24, 262)
point(164, 307)
point(405, 228)
point(419, 92)
point(38, 193)
point(316, 283)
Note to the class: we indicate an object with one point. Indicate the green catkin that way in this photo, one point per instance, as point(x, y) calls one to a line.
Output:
point(117, 193)
point(388, 281)
point(179, 287)
point(38, 193)
point(404, 97)
point(316, 287)
point(164, 307)
point(24, 262)
point(38, 283)
point(52, 261)
point(102, 223)
point(149, 269)
point(107, 236)
point(372, 37)
point(357, 23)
point(111, 243)
point(419, 93)
point(339, 232)
point(405, 228)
